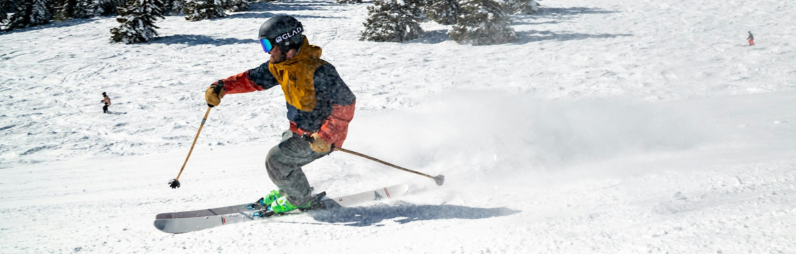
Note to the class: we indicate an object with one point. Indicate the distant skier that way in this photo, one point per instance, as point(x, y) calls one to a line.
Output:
point(107, 101)
point(751, 39)
point(319, 106)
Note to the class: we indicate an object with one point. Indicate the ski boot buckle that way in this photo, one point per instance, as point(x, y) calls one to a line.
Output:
point(262, 213)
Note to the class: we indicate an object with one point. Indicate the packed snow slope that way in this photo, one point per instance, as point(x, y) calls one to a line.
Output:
point(617, 126)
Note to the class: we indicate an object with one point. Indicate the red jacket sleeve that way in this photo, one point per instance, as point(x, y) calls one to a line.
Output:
point(335, 127)
point(240, 83)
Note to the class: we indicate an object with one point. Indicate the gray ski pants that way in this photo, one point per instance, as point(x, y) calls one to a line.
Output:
point(284, 162)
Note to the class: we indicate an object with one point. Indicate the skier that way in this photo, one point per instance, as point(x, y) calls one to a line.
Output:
point(751, 39)
point(107, 101)
point(319, 107)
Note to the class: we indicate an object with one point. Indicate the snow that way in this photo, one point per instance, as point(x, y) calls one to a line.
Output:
point(609, 127)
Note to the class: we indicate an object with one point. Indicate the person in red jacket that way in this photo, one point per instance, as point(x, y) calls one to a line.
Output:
point(319, 107)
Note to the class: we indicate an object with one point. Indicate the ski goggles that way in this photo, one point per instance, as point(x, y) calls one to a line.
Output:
point(267, 46)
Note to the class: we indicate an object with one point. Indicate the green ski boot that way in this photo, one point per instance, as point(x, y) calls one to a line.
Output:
point(265, 201)
point(282, 205)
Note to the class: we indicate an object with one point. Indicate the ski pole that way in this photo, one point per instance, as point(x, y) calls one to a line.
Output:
point(175, 183)
point(438, 179)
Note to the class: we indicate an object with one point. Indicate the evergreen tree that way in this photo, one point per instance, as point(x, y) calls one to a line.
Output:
point(521, 6)
point(196, 10)
point(349, 1)
point(93, 8)
point(137, 20)
point(66, 9)
point(110, 7)
point(393, 20)
point(173, 7)
point(178, 7)
point(482, 22)
point(5, 7)
point(63, 9)
point(236, 5)
point(85, 9)
point(443, 11)
point(54, 6)
point(30, 13)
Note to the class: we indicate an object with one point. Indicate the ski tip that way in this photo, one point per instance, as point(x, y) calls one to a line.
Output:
point(164, 216)
point(160, 224)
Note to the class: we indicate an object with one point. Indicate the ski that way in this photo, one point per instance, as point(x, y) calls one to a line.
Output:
point(189, 221)
point(205, 212)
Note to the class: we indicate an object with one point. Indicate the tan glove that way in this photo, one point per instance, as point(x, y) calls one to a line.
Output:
point(214, 94)
point(319, 145)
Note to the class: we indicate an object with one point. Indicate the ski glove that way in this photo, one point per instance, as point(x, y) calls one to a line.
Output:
point(319, 145)
point(214, 93)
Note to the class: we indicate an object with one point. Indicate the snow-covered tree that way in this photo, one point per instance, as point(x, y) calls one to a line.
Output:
point(236, 5)
point(66, 9)
point(63, 9)
point(173, 7)
point(30, 13)
point(93, 8)
point(349, 1)
point(5, 7)
point(521, 6)
point(482, 22)
point(393, 20)
point(137, 20)
point(196, 10)
point(443, 11)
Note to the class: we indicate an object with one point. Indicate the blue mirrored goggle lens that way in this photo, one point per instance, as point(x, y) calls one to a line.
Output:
point(266, 45)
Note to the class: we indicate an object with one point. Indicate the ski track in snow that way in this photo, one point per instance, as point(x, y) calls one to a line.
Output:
point(609, 127)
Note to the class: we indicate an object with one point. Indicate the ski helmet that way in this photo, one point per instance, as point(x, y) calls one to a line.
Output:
point(281, 31)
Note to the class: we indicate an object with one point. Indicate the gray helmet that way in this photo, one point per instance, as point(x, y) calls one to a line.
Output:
point(283, 31)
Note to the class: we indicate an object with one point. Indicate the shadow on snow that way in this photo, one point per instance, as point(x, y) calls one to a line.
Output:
point(523, 37)
point(404, 212)
point(432, 37)
point(557, 14)
point(532, 36)
point(572, 11)
point(52, 24)
point(266, 15)
point(288, 6)
point(265, 10)
point(438, 36)
point(192, 39)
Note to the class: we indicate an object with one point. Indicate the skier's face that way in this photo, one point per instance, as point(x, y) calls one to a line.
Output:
point(276, 55)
